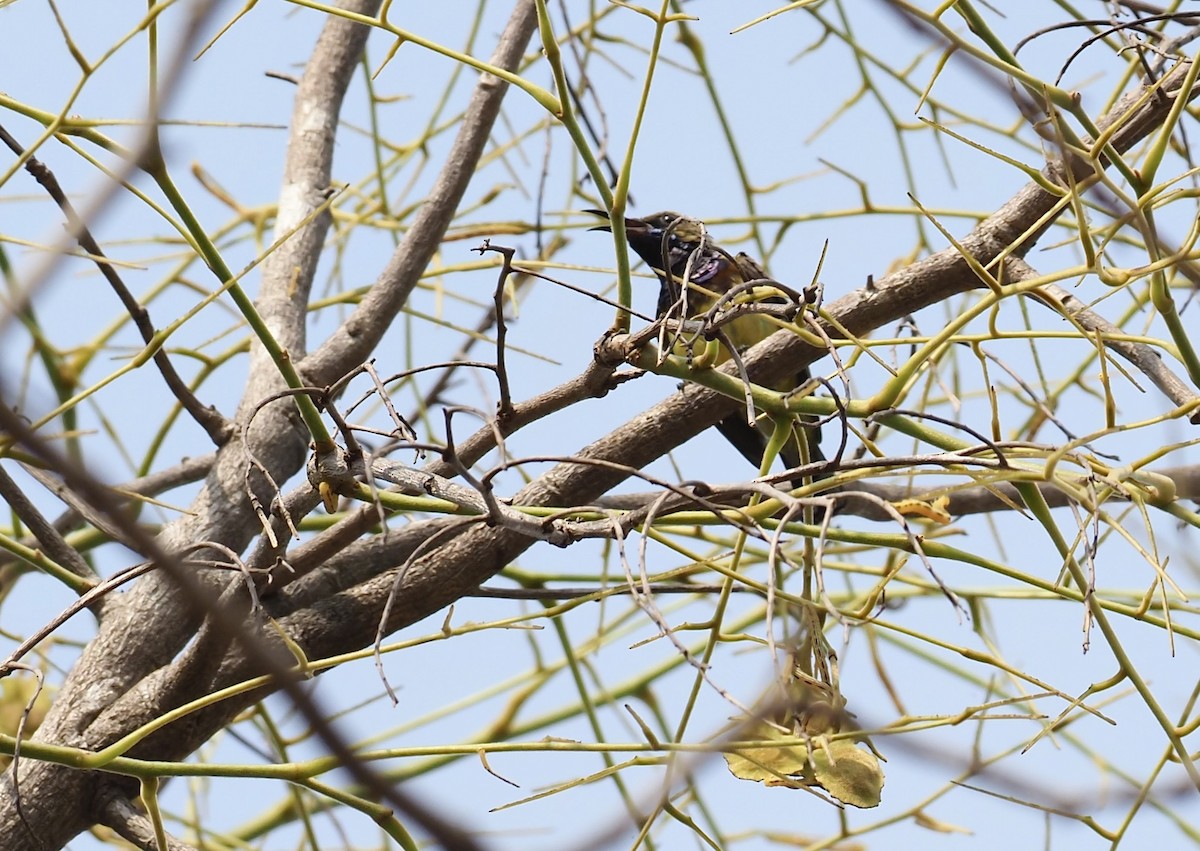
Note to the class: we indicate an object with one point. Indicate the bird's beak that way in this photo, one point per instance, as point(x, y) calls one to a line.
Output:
point(603, 215)
point(632, 226)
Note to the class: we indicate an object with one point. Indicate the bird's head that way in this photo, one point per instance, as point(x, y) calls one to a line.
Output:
point(667, 233)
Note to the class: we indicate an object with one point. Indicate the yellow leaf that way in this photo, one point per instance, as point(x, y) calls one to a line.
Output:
point(930, 823)
point(848, 773)
point(935, 511)
point(770, 764)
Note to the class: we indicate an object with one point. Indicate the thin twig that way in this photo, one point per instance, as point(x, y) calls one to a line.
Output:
point(207, 417)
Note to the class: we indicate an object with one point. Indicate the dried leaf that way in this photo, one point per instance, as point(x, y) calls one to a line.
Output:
point(847, 772)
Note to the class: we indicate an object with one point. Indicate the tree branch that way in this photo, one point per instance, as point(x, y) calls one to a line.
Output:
point(358, 336)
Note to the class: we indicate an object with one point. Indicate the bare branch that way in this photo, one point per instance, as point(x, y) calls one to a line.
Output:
point(119, 813)
point(357, 337)
point(206, 416)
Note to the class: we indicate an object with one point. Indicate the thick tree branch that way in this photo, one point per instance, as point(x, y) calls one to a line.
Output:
point(155, 619)
point(358, 336)
point(289, 271)
point(121, 815)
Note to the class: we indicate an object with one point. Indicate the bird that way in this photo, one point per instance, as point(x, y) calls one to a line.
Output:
point(679, 250)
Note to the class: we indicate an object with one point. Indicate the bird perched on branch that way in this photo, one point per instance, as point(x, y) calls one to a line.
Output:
point(701, 282)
